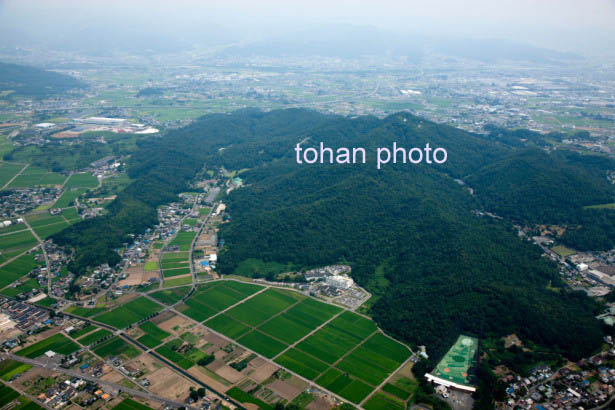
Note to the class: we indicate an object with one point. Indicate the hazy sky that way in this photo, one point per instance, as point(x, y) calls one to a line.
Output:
point(578, 25)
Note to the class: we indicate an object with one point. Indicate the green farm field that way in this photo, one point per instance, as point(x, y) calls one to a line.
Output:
point(9, 368)
point(153, 335)
point(68, 197)
point(115, 347)
point(209, 300)
point(130, 313)
point(15, 243)
point(169, 273)
point(8, 171)
point(35, 176)
point(183, 240)
point(380, 401)
point(347, 354)
point(81, 180)
point(20, 267)
point(129, 404)
point(170, 296)
point(83, 311)
point(94, 337)
point(83, 331)
point(185, 280)
point(57, 343)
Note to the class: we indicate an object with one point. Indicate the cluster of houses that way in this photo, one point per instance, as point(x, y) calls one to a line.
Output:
point(169, 218)
point(19, 201)
point(101, 278)
point(57, 258)
point(22, 316)
point(588, 383)
point(61, 394)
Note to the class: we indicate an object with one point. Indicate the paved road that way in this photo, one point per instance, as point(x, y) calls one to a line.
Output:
point(182, 371)
point(29, 396)
point(55, 368)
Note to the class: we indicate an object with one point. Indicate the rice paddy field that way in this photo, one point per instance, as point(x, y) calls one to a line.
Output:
point(83, 311)
point(175, 264)
point(183, 240)
point(116, 346)
point(35, 176)
point(340, 350)
point(46, 225)
point(185, 280)
point(129, 404)
point(94, 337)
point(8, 171)
point(10, 368)
point(81, 180)
point(10, 399)
point(170, 296)
point(214, 297)
point(68, 196)
point(129, 313)
point(153, 335)
point(20, 267)
point(57, 343)
point(13, 244)
point(83, 331)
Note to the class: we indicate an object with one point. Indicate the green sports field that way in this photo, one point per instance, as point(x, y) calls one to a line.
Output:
point(456, 363)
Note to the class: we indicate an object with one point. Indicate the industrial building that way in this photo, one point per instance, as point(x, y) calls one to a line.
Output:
point(339, 281)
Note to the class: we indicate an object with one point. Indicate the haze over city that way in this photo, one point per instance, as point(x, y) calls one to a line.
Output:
point(565, 25)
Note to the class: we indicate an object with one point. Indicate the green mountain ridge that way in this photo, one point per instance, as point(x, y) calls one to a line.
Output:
point(29, 81)
point(408, 230)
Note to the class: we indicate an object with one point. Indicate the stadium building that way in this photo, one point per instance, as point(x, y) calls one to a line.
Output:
point(453, 371)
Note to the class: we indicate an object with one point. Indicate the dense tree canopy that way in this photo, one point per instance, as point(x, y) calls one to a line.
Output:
point(34, 82)
point(436, 268)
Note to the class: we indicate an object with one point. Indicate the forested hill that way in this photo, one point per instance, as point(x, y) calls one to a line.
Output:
point(33, 82)
point(407, 230)
point(410, 235)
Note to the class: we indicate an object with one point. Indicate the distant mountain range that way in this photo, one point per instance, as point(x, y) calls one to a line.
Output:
point(360, 41)
point(332, 40)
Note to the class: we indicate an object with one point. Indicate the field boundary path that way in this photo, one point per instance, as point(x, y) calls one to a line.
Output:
point(15, 176)
point(338, 397)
